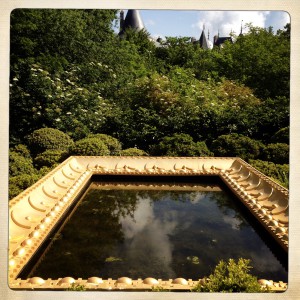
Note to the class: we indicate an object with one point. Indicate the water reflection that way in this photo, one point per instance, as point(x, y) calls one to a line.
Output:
point(139, 233)
point(146, 234)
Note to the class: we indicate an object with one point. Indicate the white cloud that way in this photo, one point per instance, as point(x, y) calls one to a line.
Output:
point(147, 234)
point(226, 21)
point(277, 19)
point(150, 22)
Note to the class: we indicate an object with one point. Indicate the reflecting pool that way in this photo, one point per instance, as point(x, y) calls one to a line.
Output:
point(162, 230)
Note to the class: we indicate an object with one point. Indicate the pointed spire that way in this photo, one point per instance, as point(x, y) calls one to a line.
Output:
point(132, 20)
point(241, 33)
point(203, 41)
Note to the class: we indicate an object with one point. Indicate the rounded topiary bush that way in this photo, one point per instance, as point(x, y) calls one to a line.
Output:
point(89, 147)
point(236, 145)
point(49, 158)
point(181, 145)
point(277, 153)
point(44, 139)
point(113, 145)
point(133, 152)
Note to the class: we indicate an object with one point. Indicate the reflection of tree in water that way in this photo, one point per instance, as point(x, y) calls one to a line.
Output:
point(228, 205)
point(160, 195)
point(225, 201)
point(90, 236)
point(94, 241)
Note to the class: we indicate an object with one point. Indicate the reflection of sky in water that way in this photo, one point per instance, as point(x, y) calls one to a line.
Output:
point(146, 234)
point(155, 234)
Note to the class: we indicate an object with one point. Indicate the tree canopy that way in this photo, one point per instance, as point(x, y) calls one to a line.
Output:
point(72, 73)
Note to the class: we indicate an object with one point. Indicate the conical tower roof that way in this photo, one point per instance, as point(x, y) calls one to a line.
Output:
point(203, 40)
point(133, 20)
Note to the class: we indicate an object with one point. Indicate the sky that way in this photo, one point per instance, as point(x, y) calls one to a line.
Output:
point(162, 23)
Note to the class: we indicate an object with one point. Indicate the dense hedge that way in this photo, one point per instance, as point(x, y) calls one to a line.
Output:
point(181, 145)
point(236, 145)
point(49, 158)
point(277, 153)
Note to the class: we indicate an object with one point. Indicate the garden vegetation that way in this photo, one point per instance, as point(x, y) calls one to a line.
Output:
point(77, 88)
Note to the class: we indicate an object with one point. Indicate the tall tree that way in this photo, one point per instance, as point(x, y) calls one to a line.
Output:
point(261, 60)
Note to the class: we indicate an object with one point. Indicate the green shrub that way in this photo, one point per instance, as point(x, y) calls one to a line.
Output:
point(45, 170)
point(89, 147)
point(281, 136)
point(231, 277)
point(133, 152)
point(113, 145)
point(76, 287)
point(277, 153)
point(19, 164)
point(44, 139)
point(22, 150)
point(181, 145)
point(279, 173)
point(236, 145)
point(49, 158)
point(21, 182)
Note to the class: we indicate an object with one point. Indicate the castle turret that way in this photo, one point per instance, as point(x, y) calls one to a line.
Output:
point(133, 20)
point(203, 41)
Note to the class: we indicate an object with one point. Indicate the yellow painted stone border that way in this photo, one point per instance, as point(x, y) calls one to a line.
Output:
point(35, 212)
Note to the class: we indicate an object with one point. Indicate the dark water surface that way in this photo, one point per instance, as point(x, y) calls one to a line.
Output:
point(164, 234)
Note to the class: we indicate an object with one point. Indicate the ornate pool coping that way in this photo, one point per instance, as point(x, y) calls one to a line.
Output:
point(34, 213)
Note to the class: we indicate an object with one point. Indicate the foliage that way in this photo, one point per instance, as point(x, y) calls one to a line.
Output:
point(21, 182)
point(49, 158)
point(231, 277)
point(281, 136)
point(260, 59)
point(133, 152)
point(113, 145)
point(70, 72)
point(74, 35)
point(44, 139)
point(277, 153)
point(181, 145)
point(279, 173)
point(22, 150)
point(89, 146)
point(236, 145)
point(19, 164)
point(159, 288)
point(76, 287)
point(41, 99)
